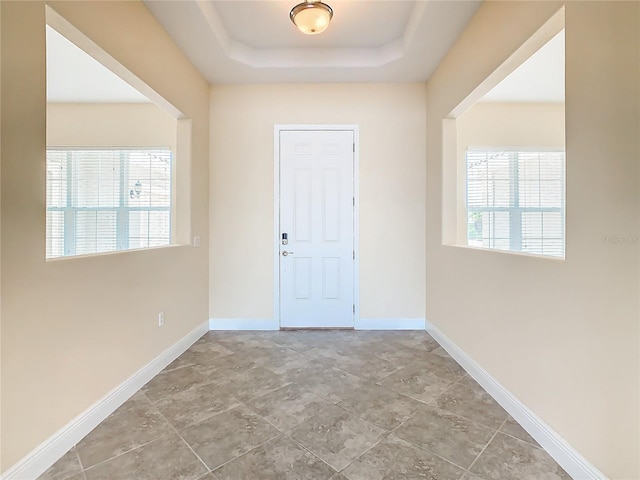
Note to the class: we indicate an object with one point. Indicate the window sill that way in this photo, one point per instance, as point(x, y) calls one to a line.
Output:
point(117, 252)
point(507, 252)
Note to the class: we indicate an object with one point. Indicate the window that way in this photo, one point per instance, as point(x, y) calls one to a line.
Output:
point(102, 200)
point(515, 201)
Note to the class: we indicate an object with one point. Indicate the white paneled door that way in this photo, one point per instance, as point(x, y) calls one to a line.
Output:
point(317, 228)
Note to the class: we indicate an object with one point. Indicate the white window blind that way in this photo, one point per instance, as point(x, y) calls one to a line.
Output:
point(516, 201)
point(102, 200)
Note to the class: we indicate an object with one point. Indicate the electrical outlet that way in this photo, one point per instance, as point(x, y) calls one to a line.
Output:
point(196, 241)
point(161, 319)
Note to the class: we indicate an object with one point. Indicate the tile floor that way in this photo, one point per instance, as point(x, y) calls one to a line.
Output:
point(309, 405)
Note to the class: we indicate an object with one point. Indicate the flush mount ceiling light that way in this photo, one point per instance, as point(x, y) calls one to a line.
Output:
point(311, 17)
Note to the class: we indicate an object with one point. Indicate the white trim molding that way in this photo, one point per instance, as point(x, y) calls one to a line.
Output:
point(390, 324)
point(222, 324)
point(243, 324)
point(257, 57)
point(577, 466)
point(52, 449)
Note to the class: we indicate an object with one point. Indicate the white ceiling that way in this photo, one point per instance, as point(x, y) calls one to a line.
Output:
point(539, 79)
point(273, 29)
point(248, 41)
point(75, 77)
point(253, 41)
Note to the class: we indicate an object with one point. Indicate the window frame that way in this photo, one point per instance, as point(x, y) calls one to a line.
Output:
point(122, 210)
point(516, 211)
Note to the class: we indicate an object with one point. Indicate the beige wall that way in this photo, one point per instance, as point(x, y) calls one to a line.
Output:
point(512, 125)
point(73, 329)
point(110, 125)
point(560, 335)
point(539, 125)
point(392, 191)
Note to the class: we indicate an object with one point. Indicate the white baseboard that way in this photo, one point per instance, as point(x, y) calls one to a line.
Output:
point(52, 449)
point(360, 324)
point(578, 467)
point(390, 324)
point(243, 324)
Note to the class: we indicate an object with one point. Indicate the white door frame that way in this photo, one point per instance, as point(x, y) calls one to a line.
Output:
point(276, 211)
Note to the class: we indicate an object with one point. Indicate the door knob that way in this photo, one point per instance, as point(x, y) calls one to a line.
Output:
point(285, 253)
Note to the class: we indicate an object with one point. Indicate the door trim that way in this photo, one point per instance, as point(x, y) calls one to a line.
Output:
point(276, 210)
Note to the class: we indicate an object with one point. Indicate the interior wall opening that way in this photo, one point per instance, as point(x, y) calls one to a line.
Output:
point(118, 155)
point(504, 154)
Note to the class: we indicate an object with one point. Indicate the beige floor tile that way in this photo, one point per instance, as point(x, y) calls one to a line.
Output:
point(203, 352)
point(298, 367)
point(331, 353)
point(441, 351)
point(170, 382)
point(507, 458)
point(247, 385)
point(469, 382)
point(367, 366)
point(221, 367)
point(243, 342)
point(288, 406)
point(278, 459)
point(397, 354)
point(167, 458)
point(382, 407)
point(135, 423)
point(277, 360)
point(454, 438)
point(301, 340)
point(419, 339)
point(67, 468)
point(262, 406)
point(228, 435)
point(416, 381)
point(331, 384)
point(177, 363)
point(77, 476)
point(208, 476)
point(474, 404)
point(443, 366)
point(396, 459)
point(336, 436)
point(338, 476)
point(513, 428)
point(470, 476)
point(197, 404)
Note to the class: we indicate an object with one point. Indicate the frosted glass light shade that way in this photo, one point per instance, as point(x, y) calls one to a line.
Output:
point(311, 18)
